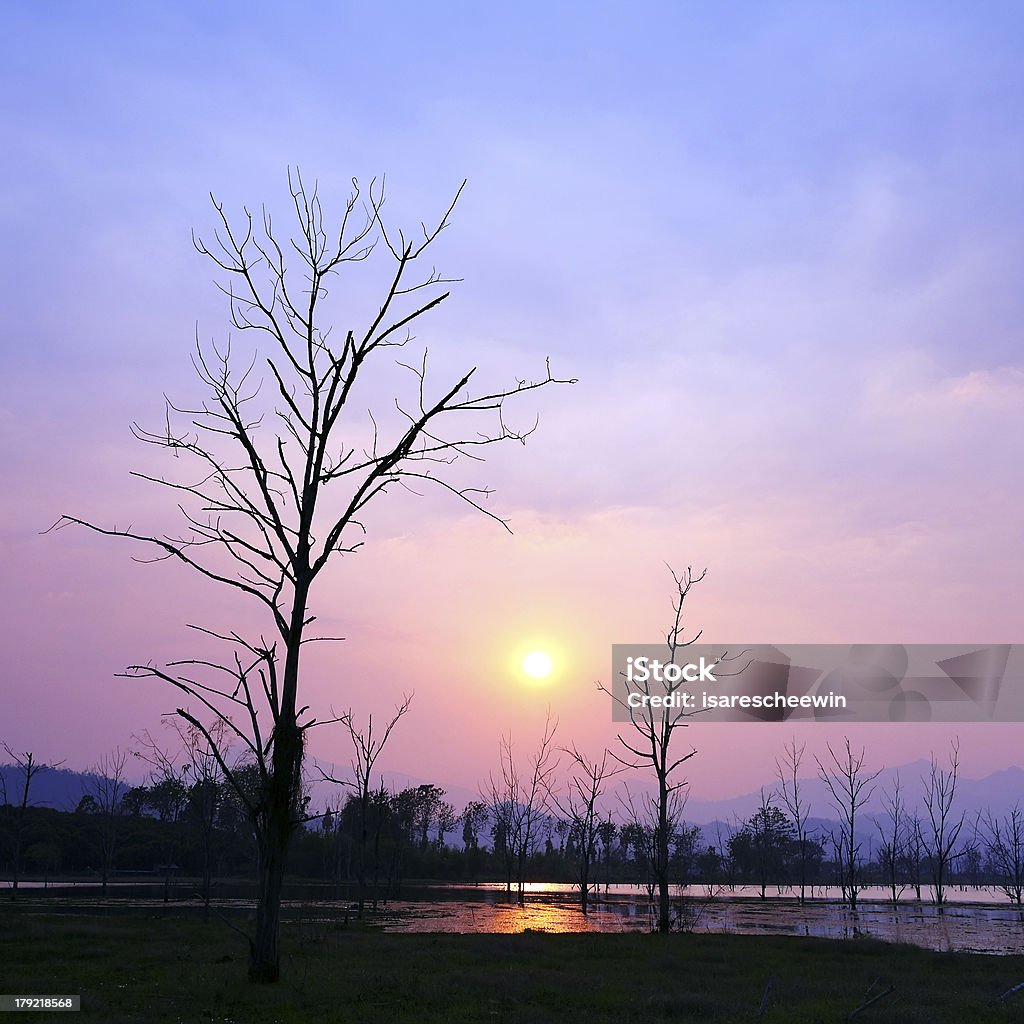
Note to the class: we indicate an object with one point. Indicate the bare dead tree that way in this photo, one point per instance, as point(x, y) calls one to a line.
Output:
point(726, 861)
point(850, 786)
point(915, 853)
point(892, 833)
point(518, 801)
point(186, 781)
point(971, 855)
point(30, 769)
point(501, 799)
point(579, 805)
point(104, 795)
point(944, 826)
point(1005, 845)
point(282, 476)
point(338, 851)
point(790, 793)
point(170, 778)
point(649, 746)
point(640, 829)
point(205, 792)
point(366, 750)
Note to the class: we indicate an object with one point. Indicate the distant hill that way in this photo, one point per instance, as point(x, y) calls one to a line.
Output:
point(62, 789)
point(997, 793)
point(58, 788)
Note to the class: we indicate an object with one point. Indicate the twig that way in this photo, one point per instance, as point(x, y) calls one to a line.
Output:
point(874, 999)
point(231, 924)
point(1009, 992)
point(766, 998)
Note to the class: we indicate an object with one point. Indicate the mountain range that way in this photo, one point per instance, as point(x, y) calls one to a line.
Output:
point(995, 793)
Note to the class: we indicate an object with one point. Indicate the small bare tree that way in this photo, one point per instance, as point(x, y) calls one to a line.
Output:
point(639, 830)
point(972, 852)
point(170, 776)
point(518, 801)
point(791, 795)
point(944, 826)
point(1005, 844)
point(186, 783)
point(914, 853)
point(579, 806)
point(206, 793)
point(892, 834)
point(104, 796)
point(273, 487)
point(850, 786)
point(649, 745)
point(366, 750)
point(17, 809)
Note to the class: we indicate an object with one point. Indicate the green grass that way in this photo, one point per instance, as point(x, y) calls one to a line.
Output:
point(130, 969)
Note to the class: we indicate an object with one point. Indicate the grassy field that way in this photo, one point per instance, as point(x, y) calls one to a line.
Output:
point(131, 968)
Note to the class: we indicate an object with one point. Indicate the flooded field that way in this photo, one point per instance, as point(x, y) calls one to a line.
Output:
point(974, 920)
point(975, 925)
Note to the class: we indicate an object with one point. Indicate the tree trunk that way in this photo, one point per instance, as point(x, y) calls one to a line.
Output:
point(264, 948)
point(376, 860)
point(206, 886)
point(363, 839)
point(661, 857)
point(16, 866)
point(281, 791)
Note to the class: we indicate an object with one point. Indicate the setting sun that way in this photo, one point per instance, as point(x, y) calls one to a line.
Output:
point(538, 664)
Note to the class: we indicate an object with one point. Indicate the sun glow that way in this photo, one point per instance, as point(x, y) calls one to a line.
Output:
point(538, 664)
point(535, 661)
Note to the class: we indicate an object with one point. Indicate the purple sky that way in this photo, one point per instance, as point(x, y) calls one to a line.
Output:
point(779, 246)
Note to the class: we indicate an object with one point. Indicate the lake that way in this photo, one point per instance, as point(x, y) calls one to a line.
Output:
point(976, 919)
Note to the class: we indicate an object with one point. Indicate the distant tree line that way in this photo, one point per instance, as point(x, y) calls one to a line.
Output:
point(168, 831)
point(164, 829)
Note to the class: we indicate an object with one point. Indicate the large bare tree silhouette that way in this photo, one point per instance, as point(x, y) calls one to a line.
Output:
point(285, 459)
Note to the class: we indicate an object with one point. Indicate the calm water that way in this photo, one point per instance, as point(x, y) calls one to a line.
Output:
point(976, 920)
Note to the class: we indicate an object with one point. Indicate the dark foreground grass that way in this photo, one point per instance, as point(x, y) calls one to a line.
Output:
point(131, 969)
